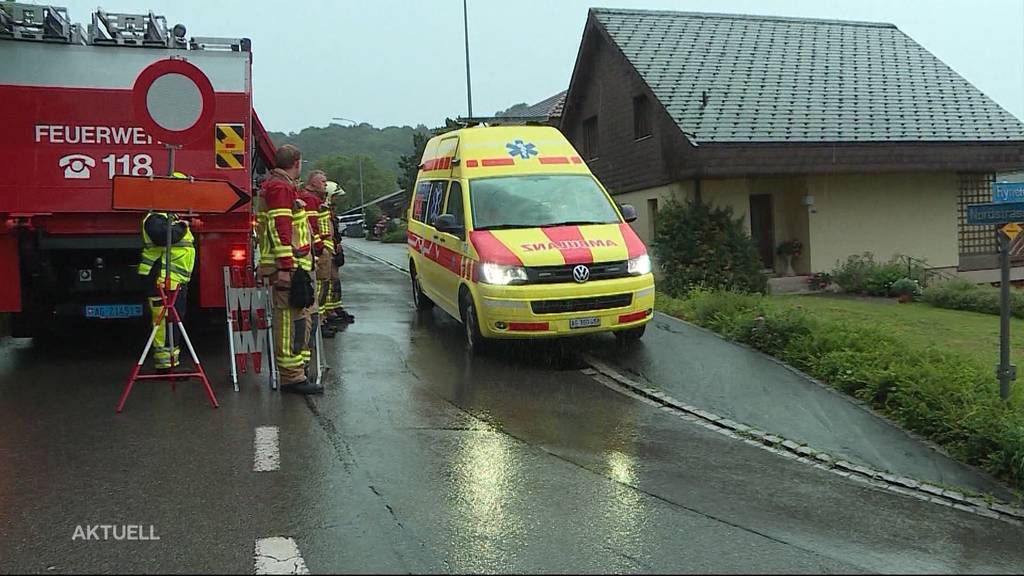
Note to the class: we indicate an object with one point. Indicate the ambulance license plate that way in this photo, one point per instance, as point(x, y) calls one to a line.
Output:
point(575, 323)
point(111, 311)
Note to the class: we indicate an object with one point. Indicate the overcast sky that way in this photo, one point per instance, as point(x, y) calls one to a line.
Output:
point(398, 62)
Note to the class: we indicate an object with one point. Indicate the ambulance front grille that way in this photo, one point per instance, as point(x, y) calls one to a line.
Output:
point(563, 273)
point(581, 304)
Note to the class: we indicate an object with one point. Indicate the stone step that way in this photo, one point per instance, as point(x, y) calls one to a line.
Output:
point(789, 285)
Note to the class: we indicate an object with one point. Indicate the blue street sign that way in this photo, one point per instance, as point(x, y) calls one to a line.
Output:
point(996, 213)
point(1008, 192)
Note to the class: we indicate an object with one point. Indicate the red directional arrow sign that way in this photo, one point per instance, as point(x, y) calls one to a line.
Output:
point(177, 195)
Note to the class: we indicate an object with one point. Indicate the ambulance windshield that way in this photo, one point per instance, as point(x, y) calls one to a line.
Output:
point(539, 201)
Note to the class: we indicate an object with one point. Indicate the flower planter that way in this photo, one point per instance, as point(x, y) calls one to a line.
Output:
point(788, 259)
point(906, 298)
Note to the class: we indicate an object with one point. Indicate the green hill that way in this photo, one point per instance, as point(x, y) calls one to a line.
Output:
point(384, 145)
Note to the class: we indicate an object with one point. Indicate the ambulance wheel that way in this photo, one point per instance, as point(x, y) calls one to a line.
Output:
point(419, 299)
point(631, 336)
point(476, 344)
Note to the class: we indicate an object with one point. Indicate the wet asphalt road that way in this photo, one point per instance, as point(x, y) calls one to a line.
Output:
point(421, 459)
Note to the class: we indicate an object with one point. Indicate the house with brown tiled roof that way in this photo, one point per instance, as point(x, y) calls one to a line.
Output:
point(847, 136)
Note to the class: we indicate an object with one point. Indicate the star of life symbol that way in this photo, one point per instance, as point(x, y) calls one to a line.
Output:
point(518, 148)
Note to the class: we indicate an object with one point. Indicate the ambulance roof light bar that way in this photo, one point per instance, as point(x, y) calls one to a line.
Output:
point(502, 121)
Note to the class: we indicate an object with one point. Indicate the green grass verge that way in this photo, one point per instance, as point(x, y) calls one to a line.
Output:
point(929, 369)
point(920, 325)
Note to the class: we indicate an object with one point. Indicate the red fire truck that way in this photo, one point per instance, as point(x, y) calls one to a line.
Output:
point(67, 127)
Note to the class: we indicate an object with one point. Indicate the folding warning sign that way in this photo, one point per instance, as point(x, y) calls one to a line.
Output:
point(230, 146)
point(249, 321)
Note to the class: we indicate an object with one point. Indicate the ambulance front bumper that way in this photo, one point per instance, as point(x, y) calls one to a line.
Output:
point(550, 310)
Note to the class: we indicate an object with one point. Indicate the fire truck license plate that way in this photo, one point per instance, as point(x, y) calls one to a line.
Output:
point(584, 323)
point(107, 311)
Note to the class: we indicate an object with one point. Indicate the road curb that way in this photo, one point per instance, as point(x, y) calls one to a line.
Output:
point(905, 486)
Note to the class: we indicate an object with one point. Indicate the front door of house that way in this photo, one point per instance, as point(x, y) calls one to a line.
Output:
point(762, 229)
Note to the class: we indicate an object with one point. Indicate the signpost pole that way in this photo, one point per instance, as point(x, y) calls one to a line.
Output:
point(1006, 370)
point(169, 326)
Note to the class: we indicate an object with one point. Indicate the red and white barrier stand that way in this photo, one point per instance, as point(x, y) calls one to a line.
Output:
point(169, 315)
point(250, 323)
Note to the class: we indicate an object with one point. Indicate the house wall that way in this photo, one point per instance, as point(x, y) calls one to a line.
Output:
point(606, 88)
point(913, 214)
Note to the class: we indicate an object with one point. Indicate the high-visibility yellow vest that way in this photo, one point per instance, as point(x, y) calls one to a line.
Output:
point(183, 254)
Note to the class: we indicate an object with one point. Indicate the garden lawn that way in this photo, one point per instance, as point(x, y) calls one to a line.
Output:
point(920, 325)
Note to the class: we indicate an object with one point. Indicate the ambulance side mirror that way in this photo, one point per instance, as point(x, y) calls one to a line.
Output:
point(628, 212)
point(446, 223)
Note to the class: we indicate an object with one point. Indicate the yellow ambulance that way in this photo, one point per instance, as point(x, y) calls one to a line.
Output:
point(511, 234)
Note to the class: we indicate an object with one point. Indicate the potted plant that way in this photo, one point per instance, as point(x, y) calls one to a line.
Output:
point(789, 250)
point(906, 289)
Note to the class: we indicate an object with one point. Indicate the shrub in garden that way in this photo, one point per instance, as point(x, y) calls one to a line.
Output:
point(853, 274)
point(881, 279)
point(965, 295)
point(701, 245)
point(905, 287)
point(861, 274)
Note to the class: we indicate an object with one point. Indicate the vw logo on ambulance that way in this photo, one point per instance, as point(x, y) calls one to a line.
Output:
point(581, 273)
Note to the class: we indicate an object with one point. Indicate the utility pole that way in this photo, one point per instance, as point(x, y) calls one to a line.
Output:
point(362, 197)
point(469, 83)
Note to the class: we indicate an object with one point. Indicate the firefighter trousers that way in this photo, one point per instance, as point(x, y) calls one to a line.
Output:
point(328, 285)
point(164, 356)
point(292, 331)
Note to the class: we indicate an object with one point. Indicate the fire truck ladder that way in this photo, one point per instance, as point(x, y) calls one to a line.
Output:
point(42, 23)
point(134, 30)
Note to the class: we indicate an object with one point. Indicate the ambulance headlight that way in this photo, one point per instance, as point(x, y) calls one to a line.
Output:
point(500, 275)
point(640, 265)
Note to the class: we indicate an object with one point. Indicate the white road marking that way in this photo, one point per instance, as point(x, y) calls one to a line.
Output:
point(279, 556)
point(267, 457)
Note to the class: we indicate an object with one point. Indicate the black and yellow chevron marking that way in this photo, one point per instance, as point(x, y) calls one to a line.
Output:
point(230, 146)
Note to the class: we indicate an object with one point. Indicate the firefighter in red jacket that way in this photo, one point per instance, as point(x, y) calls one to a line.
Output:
point(316, 183)
point(286, 243)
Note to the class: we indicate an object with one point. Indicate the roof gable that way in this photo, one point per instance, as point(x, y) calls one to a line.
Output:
point(550, 107)
point(729, 78)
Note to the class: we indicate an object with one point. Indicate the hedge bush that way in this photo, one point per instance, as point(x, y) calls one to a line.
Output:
point(701, 245)
point(861, 274)
point(964, 295)
point(944, 396)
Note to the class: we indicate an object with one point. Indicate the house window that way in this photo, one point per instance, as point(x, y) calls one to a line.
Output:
point(652, 217)
point(641, 117)
point(590, 138)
